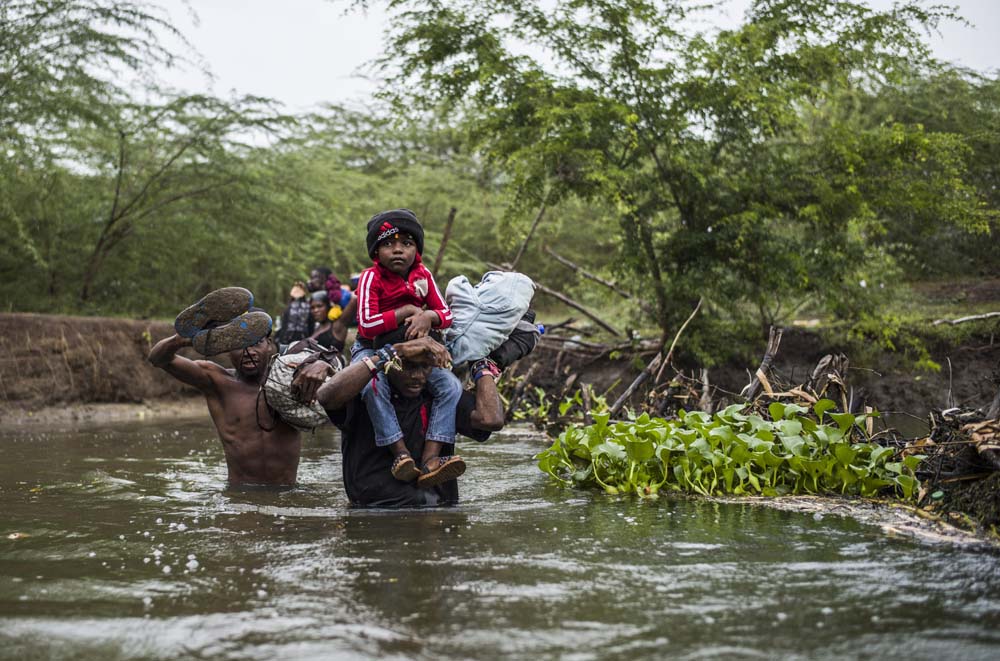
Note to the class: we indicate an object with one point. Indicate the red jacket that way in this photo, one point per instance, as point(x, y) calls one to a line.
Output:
point(381, 292)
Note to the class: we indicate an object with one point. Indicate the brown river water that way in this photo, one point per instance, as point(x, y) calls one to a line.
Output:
point(121, 542)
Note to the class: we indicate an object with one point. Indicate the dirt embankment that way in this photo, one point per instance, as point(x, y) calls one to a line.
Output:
point(888, 383)
point(55, 367)
point(73, 366)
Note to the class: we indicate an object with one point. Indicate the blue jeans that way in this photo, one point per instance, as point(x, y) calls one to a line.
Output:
point(444, 386)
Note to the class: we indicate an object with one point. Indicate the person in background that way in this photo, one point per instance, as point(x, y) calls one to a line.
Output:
point(340, 296)
point(327, 332)
point(296, 321)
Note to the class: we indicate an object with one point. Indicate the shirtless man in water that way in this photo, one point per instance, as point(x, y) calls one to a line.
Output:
point(260, 448)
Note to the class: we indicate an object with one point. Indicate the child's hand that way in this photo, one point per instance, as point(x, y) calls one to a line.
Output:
point(418, 325)
point(407, 311)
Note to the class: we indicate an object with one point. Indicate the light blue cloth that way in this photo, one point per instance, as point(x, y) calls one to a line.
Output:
point(485, 314)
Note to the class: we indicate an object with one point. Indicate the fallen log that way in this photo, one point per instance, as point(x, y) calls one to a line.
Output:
point(577, 306)
point(553, 327)
point(962, 320)
point(571, 341)
point(585, 273)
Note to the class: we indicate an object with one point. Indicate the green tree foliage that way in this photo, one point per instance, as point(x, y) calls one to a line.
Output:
point(726, 158)
point(165, 160)
point(962, 108)
point(59, 60)
point(779, 164)
point(112, 204)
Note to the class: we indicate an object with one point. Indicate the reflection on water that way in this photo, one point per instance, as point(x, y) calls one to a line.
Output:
point(121, 542)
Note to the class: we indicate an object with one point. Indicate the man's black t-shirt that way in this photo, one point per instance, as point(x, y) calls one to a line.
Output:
point(367, 468)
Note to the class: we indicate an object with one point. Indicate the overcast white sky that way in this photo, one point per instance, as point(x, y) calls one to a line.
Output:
point(306, 52)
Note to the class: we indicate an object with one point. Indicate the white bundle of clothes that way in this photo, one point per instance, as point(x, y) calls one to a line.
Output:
point(485, 314)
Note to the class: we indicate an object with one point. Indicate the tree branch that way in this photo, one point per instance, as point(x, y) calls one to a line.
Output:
point(538, 219)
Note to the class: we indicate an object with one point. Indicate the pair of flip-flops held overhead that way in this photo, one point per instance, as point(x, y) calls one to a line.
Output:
point(223, 321)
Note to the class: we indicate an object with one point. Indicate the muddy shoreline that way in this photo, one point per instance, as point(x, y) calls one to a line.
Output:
point(56, 369)
point(99, 413)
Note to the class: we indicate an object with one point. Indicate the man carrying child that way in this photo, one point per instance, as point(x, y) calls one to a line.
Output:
point(398, 291)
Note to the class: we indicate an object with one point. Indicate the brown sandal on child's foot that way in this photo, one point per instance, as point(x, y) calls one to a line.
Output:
point(439, 470)
point(404, 468)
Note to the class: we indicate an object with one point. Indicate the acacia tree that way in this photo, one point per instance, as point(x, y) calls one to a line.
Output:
point(162, 159)
point(87, 169)
point(733, 174)
point(59, 60)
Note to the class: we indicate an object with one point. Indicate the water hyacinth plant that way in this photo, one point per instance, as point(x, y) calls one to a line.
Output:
point(731, 452)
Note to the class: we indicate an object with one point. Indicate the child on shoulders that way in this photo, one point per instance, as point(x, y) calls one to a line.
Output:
point(398, 290)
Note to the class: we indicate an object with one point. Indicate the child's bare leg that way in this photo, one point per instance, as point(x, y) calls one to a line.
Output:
point(432, 450)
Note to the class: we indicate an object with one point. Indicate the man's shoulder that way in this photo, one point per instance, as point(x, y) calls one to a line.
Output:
point(218, 374)
point(226, 379)
point(215, 369)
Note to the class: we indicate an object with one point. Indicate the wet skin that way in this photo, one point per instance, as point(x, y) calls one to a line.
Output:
point(259, 448)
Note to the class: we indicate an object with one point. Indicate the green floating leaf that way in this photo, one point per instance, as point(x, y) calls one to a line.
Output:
point(729, 453)
point(843, 420)
point(822, 406)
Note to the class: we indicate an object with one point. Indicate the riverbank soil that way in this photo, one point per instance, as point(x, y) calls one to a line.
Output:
point(887, 382)
point(54, 368)
point(62, 361)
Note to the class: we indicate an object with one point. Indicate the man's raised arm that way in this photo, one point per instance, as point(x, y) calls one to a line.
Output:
point(488, 414)
point(164, 355)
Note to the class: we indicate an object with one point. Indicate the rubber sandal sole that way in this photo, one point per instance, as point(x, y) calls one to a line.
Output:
point(244, 331)
point(451, 469)
point(405, 470)
point(216, 307)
